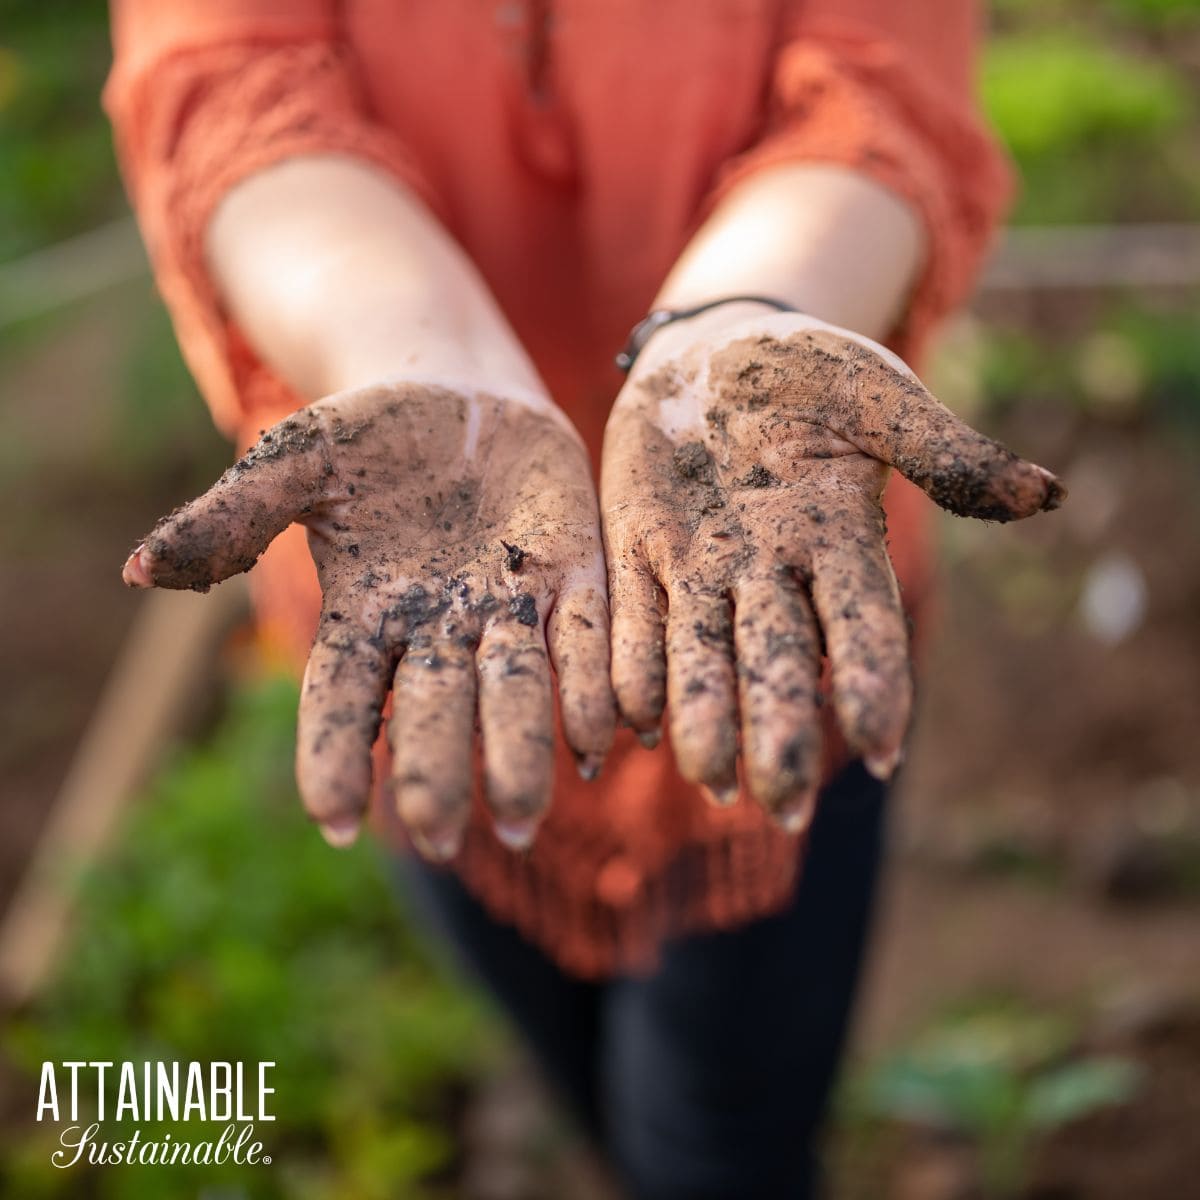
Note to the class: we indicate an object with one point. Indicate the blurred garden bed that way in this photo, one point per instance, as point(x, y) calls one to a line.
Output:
point(223, 929)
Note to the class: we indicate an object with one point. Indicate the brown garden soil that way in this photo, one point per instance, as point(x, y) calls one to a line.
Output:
point(1148, 1149)
point(1047, 840)
point(1145, 1149)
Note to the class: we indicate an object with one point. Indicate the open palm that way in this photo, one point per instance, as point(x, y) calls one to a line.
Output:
point(740, 492)
point(456, 540)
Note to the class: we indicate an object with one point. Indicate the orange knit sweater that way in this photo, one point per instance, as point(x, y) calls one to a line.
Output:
point(571, 146)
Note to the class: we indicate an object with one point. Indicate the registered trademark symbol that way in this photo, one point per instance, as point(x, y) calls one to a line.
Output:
point(266, 1160)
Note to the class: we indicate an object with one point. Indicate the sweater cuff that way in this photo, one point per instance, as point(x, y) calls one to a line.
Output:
point(854, 101)
point(190, 126)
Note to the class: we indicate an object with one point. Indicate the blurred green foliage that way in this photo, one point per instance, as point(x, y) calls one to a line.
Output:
point(222, 928)
point(1101, 131)
point(157, 407)
point(1139, 16)
point(1166, 347)
point(1000, 1074)
point(1133, 361)
point(56, 159)
point(1170, 15)
point(1051, 92)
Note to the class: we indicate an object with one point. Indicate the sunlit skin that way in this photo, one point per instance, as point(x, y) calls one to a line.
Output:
point(732, 578)
point(742, 489)
point(456, 541)
point(458, 538)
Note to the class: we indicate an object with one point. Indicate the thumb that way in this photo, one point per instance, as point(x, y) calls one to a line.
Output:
point(962, 470)
point(222, 532)
point(897, 420)
point(875, 402)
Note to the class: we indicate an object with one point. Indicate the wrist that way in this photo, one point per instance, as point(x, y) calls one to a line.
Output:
point(387, 341)
point(671, 341)
point(660, 318)
point(339, 278)
point(833, 243)
point(383, 378)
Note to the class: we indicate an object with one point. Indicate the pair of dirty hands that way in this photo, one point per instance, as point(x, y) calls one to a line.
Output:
point(462, 557)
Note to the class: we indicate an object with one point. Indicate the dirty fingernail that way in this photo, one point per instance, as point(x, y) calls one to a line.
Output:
point(135, 572)
point(516, 834)
point(650, 738)
point(437, 845)
point(794, 821)
point(795, 815)
point(1056, 491)
point(340, 832)
point(882, 766)
point(721, 795)
point(589, 766)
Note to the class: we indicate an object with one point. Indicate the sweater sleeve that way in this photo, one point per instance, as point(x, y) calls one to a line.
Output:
point(203, 93)
point(886, 90)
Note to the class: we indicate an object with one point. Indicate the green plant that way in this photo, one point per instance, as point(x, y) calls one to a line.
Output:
point(55, 149)
point(1151, 15)
point(222, 928)
point(1016, 366)
point(1000, 1075)
point(1053, 92)
point(1166, 346)
point(1174, 15)
point(157, 415)
point(1100, 132)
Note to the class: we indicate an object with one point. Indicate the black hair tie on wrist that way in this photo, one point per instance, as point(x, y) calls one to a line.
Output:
point(655, 320)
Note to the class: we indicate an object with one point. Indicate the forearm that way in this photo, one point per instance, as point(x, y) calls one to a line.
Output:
point(339, 278)
point(833, 243)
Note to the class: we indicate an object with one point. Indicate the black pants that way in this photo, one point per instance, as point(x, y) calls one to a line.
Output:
point(709, 1078)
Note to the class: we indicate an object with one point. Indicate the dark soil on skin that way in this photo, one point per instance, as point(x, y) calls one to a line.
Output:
point(1032, 737)
point(849, 388)
point(758, 477)
point(514, 556)
point(692, 461)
